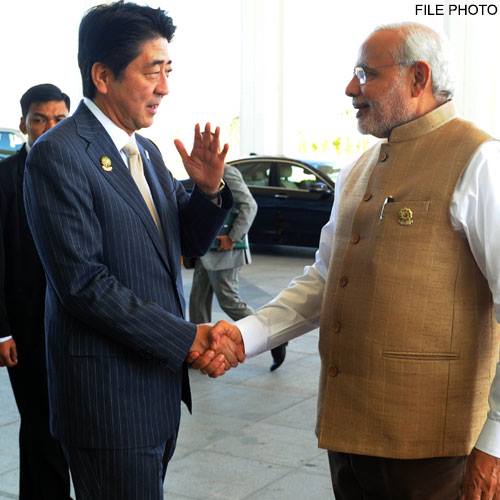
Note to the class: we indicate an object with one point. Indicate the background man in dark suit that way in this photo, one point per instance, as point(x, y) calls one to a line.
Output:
point(43, 469)
point(110, 224)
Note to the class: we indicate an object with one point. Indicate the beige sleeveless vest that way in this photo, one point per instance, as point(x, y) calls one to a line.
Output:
point(408, 342)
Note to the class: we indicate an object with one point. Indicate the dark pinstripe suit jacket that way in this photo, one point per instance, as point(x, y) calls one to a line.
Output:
point(116, 337)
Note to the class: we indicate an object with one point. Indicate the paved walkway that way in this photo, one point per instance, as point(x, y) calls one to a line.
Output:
point(251, 435)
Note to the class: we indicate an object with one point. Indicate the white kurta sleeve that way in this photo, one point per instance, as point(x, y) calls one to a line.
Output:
point(475, 211)
point(296, 310)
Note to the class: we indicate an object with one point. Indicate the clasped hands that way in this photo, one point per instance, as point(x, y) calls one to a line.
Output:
point(216, 348)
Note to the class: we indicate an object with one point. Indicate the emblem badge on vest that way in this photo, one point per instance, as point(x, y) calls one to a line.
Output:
point(405, 217)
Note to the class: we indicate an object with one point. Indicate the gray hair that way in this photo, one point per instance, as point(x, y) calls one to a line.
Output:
point(421, 43)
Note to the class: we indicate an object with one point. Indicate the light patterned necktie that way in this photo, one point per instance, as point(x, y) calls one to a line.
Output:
point(137, 172)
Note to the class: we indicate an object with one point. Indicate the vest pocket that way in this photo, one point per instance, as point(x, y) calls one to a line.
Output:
point(403, 231)
point(421, 356)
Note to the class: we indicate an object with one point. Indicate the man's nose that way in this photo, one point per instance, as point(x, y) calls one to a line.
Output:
point(50, 123)
point(162, 87)
point(353, 88)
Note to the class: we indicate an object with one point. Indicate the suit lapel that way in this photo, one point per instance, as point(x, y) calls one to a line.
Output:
point(162, 202)
point(101, 145)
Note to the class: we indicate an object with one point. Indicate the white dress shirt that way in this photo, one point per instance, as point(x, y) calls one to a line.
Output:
point(119, 137)
point(475, 213)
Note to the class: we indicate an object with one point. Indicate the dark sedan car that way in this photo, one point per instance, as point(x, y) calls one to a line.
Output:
point(295, 198)
point(10, 141)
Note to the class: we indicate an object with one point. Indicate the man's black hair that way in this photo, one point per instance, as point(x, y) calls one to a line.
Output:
point(112, 34)
point(42, 93)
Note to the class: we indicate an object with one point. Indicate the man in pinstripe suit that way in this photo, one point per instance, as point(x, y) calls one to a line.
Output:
point(110, 224)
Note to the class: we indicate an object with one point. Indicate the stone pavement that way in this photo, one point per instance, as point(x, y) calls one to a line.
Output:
point(251, 435)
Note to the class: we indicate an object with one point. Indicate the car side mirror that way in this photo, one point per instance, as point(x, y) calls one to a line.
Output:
point(320, 187)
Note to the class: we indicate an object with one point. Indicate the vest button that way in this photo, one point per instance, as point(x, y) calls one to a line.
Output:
point(355, 238)
point(333, 371)
point(343, 281)
point(367, 197)
point(383, 156)
point(337, 327)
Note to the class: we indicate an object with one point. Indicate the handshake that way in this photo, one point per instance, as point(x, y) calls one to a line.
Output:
point(216, 349)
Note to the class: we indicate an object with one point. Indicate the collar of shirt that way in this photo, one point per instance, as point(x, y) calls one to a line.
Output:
point(119, 137)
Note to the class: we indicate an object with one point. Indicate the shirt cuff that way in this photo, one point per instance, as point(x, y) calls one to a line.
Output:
point(4, 339)
point(489, 439)
point(254, 334)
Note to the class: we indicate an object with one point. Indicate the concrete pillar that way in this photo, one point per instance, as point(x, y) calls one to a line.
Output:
point(261, 118)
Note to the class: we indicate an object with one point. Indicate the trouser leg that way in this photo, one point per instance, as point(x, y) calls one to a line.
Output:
point(376, 478)
point(200, 299)
point(44, 473)
point(225, 285)
point(120, 474)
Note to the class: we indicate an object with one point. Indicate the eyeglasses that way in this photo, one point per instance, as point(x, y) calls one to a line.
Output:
point(361, 72)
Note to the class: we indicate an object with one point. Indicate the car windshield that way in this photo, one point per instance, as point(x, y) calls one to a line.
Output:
point(327, 168)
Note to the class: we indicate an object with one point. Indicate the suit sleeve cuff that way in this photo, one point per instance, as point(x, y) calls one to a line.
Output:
point(489, 439)
point(185, 335)
point(224, 199)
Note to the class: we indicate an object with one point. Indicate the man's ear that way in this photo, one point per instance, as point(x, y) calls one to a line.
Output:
point(101, 76)
point(421, 77)
point(22, 125)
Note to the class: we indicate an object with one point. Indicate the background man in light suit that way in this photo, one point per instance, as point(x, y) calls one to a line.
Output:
point(110, 226)
point(405, 287)
point(218, 270)
point(44, 473)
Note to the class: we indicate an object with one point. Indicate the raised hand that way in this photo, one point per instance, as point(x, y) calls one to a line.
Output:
point(218, 350)
point(205, 165)
point(482, 474)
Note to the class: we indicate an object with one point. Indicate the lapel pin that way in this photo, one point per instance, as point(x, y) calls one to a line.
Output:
point(405, 217)
point(106, 163)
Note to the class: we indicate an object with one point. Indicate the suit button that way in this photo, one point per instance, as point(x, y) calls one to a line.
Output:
point(343, 281)
point(337, 327)
point(367, 196)
point(355, 238)
point(383, 156)
point(333, 371)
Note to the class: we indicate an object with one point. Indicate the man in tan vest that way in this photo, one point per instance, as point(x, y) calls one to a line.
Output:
point(405, 286)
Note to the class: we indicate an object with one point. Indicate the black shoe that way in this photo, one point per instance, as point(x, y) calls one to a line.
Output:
point(278, 354)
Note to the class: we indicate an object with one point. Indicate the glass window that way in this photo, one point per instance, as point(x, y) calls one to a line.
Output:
point(10, 140)
point(329, 169)
point(296, 177)
point(255, 173)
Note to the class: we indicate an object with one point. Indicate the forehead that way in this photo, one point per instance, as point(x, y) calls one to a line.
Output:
point(48, 108)
point(379, 47)
point(153, 50)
